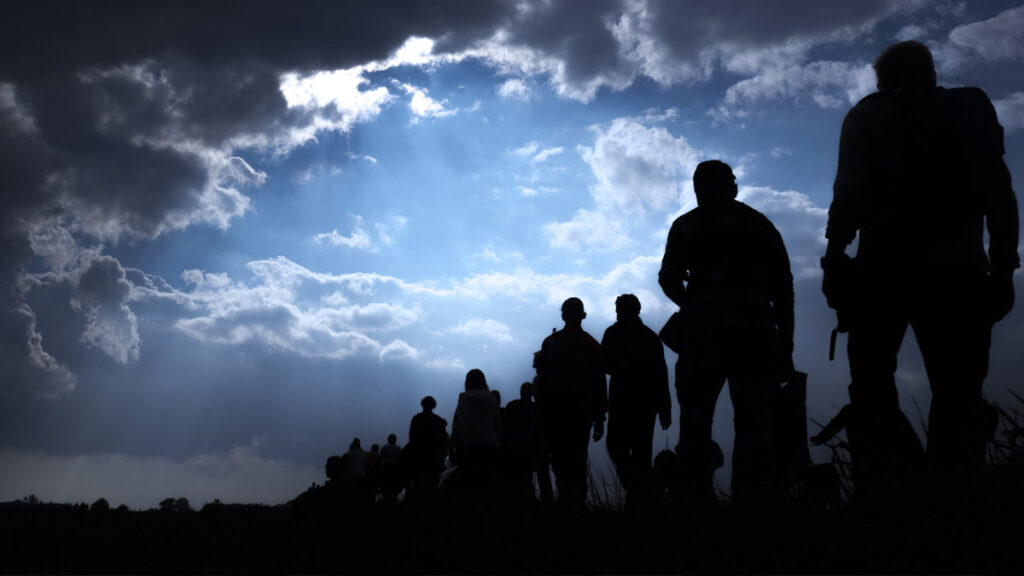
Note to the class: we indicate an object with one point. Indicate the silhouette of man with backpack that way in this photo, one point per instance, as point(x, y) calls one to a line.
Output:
point(920, 178)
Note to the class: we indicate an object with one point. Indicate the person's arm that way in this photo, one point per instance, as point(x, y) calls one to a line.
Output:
point(609, 345)
point(664, 398)
point(1001, 220)
point(599, 389)
point(850, 191)
point(673, 271)
point(783, 298)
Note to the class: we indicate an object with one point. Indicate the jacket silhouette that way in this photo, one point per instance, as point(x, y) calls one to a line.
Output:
point(572, 399)
point(634, 357)
point(737, 317)
point(920, 179)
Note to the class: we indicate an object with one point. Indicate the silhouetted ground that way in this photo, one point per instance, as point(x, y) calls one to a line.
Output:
point(920, 533)
point(911, 537)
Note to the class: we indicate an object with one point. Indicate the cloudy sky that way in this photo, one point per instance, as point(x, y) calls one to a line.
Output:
point(235, 235)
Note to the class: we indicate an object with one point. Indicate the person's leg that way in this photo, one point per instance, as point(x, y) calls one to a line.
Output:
point(640, 438)
point(699, 381)
point(752, 389)
point(876, 335)
point(954, 335)
point(617, 443)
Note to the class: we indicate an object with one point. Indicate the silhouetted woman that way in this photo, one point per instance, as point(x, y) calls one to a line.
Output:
point(476, 433)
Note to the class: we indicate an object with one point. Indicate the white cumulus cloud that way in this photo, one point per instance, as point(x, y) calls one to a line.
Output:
point(515, 89)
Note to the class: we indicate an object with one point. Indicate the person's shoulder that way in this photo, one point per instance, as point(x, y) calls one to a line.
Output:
point(553, 337)
point(873, 106)
point(755, 217)
point(970, 100)
point(749, 213)
point(688, 216)
point(872, 101)
point(965, 93)
point(612, 331)
point(649, 332)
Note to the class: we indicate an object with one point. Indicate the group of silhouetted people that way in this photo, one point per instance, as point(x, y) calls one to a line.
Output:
point(920, 180)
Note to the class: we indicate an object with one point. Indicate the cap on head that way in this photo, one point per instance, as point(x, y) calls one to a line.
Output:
point(428, 402)
point(713, 180)
point(905, 65)
point(572, 308)
point(627, 305)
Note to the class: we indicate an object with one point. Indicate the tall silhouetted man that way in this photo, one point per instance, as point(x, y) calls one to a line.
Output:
point(638, 391)
point(920, 178)
point(572, 399)
point(726, 267)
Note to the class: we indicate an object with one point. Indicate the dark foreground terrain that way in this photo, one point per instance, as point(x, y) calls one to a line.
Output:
point(913, 537)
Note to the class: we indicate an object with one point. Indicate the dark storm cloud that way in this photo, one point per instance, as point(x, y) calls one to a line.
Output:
point(27, 367)
point(684, 40)
point(577, 33)
point(47, 37)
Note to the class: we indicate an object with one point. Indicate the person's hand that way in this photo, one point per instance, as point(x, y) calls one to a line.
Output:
point(598, 431)
point(837, 277)
point(1000, 295)
point(666, 419)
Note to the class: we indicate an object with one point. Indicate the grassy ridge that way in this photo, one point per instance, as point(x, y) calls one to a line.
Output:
point(917, 534)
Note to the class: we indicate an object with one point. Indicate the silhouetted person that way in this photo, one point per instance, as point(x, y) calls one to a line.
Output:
point(391, 474)
point(428, 444)
point(353, 462)
point(919, 179)
point(737, 310)
point(523, 447)
point(638, 391)
point(372, 473)
point(334, 471)
point(571, 400)
point(352, 468)
point(476, 433)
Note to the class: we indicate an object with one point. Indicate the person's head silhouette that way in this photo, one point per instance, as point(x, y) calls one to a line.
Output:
point(475, 380)
point(526, 391)
point(627, 307)
point(392, 439)
point(572, 312)
point(905, 65)
point(428, 403)
point(714, 183)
